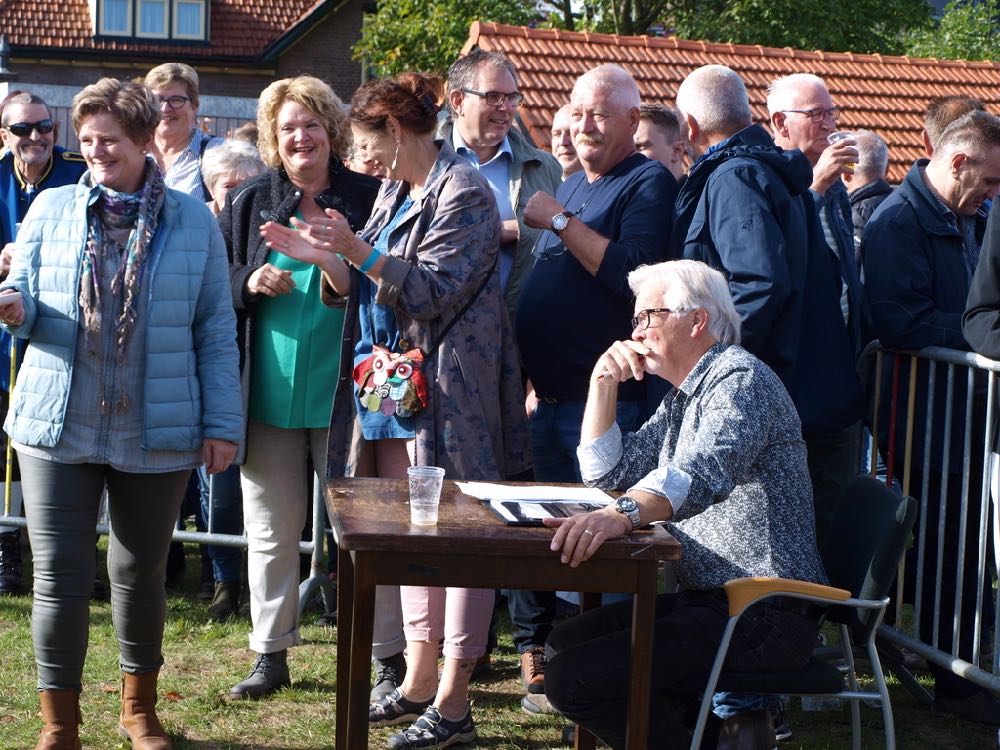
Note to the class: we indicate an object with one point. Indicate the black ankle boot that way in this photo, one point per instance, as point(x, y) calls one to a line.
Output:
point(10, 563)
point(270, 674)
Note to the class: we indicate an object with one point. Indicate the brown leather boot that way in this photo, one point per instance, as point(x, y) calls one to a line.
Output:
point(61, 713)
point(138, 719)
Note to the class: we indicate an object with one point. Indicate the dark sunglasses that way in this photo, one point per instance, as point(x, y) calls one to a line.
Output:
point(23, 129)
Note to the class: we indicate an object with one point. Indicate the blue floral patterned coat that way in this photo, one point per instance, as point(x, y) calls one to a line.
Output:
point(446, 244)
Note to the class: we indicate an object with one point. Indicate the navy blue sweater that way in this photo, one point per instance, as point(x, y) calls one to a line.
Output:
point(567, 318)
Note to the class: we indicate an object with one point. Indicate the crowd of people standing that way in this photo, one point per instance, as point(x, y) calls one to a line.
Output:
point(671, 303)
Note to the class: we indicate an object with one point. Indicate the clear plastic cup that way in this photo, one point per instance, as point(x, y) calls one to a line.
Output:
point(841, 135)
point(425, 494)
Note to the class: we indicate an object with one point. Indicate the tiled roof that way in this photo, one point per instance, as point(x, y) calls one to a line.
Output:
point(238, 28)
point(882, 93)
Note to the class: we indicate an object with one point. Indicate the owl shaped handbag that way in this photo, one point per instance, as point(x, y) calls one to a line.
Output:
point(395, 383)
point(392, 383)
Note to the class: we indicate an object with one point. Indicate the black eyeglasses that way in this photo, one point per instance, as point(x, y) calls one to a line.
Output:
point(23, 129)
point(643, 317)
point(174, 102)
point(497, 98)
point(818, 115)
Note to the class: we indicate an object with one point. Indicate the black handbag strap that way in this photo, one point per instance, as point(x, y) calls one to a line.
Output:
point(440, 338)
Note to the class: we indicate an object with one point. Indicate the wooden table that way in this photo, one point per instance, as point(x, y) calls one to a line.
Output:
point(469, 548)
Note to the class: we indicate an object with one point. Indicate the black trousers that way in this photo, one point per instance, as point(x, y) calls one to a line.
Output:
point(587, 677)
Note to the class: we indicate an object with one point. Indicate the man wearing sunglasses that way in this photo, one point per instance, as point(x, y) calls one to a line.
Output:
point(31, 163)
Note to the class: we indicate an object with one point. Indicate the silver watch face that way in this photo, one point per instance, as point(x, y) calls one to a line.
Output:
point(559, 222)
point(626, 505)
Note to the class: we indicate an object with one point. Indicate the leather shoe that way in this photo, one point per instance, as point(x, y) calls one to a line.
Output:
point(270, 674)
point(750, 730)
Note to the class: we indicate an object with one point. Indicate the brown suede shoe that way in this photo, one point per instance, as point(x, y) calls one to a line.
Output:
point(533, 670)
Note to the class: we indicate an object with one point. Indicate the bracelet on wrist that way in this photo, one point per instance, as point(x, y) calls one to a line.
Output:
point(370, 261)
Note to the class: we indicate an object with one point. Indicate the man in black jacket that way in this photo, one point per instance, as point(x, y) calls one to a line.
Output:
point(921, 249)
point(746, 210)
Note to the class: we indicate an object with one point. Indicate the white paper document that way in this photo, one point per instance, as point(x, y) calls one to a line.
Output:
point(527, 505)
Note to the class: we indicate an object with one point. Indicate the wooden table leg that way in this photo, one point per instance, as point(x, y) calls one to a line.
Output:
point(584, 739)
point(345, 620)
point(360, 666)
point(643, 612)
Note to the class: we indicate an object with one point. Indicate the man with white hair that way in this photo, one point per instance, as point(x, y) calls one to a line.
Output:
point(803, 116)
point(921, 249)
point(867, 186)
point(723, 462)
point(746, 209)
point(603, 222)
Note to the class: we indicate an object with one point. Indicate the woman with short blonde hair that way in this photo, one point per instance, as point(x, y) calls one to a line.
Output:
point(128, 383)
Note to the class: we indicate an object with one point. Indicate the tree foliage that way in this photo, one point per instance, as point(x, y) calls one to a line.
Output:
point(966, 31)
point(856, 26)
point(427, 35)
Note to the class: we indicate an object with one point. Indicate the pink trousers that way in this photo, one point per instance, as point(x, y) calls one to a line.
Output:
point(460, 616)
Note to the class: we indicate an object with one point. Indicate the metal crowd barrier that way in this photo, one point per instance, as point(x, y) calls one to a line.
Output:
point(976, 376)
point(316, 581)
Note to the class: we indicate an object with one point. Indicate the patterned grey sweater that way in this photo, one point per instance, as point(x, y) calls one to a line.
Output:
point(726, 449)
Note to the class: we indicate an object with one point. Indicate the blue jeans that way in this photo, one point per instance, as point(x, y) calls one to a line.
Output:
point(555, 435)
point(227, 518)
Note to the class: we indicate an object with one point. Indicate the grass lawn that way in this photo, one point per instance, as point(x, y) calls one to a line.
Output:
point(204, 659)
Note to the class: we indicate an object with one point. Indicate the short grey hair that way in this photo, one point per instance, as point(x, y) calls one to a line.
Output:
point(624, 91)
point(464, 71)
point(24, 98)
point(973, 134)
point(716, 98)
point(688, 284)
point(781, 93)
point(231, 157)
point(873, 155)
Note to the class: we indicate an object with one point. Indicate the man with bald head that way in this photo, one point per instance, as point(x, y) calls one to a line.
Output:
point(603, 222)
point(746, 209)
point(562, 143)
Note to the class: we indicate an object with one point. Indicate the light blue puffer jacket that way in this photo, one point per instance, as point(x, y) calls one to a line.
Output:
point(192, 386)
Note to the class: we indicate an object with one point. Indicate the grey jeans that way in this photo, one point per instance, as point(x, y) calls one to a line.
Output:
point(61, 504)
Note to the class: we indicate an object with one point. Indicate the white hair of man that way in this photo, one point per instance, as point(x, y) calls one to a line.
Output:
point(873, 155)
point(782, 92)
point(972, 134)
point(623, 90)
point(231, 157)
point(716, 97)
point(689, 284)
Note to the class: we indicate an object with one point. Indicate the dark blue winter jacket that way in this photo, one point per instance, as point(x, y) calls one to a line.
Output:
point(746, 210)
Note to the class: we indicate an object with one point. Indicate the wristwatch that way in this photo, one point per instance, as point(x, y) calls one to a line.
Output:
point(628, 507)
point(561, 221)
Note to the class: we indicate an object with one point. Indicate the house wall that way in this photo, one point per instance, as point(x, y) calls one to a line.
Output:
point(325, 52)
point(228, 95)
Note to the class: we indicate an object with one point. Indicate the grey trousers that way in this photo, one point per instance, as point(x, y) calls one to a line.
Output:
point(61, 505)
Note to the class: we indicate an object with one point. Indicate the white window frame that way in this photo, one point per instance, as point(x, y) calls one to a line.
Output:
point(140, 34)
point(105, 31)
point(176, 33)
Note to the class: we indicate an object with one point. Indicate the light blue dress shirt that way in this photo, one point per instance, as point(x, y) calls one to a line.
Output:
point(497, 173)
